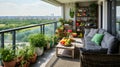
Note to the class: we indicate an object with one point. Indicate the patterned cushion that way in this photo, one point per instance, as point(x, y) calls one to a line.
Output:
point(101, 31)
point(92, 32)
point(109, 42)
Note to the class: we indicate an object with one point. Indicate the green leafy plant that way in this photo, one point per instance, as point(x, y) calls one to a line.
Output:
point(24, 63)
point(30, 51)
point(37, 40)
point(50, 40)
point(70, 21)
point(26, 53)
point(20, 52)
point(7, 55)
point(56, 40)
point(71, 13)
point(62, 21)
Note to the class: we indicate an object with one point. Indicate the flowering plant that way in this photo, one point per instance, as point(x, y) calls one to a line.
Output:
point(69, 33)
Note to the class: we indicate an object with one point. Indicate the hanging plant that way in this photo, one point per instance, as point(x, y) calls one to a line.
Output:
point(71, 13)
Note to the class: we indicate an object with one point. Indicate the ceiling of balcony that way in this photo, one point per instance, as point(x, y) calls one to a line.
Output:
point(60, 2)
point(69, 1)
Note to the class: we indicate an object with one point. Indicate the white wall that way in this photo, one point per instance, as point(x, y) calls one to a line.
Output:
point(104, 14)
point(99, 16)
point(66, 12)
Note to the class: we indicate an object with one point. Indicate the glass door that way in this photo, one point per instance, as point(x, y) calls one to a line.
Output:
point(118, 16)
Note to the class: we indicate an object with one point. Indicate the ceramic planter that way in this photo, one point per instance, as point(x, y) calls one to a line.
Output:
point(48, 46)
point(39, 51)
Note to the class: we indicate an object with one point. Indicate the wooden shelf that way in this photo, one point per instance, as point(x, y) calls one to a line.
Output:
point(85, 17)
point(88, 26)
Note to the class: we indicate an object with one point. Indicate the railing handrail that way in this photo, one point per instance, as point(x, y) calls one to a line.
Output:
point(24, 27)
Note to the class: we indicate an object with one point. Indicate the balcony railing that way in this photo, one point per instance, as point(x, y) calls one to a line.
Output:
point(41, 28)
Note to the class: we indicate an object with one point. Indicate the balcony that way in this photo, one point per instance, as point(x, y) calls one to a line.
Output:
point(14, 39)
point(19, 37)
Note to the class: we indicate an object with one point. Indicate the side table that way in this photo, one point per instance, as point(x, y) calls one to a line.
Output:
point(60, 50)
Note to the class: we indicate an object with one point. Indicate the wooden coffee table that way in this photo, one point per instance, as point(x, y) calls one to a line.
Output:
point(65, 50)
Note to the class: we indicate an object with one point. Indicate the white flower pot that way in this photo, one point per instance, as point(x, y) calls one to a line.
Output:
point(39, 51)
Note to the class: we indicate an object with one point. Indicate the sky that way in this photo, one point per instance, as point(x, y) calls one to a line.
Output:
point(28, 8)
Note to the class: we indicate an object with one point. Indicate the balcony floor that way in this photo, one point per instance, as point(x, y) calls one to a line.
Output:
point(44, 59)
point(49, 59)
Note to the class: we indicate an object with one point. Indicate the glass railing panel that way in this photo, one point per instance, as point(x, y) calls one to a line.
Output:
point(49, 30)
point(8, 40)
point(22, 36)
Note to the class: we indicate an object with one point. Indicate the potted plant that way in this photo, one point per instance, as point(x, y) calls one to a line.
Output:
point(25, 62)
point(38, 41)
point(32, 54)
point(20, 56)
point(62, 21)
point(71, 13)
point(55, 40)
point(70, 22)
point(8, 57)
point(49, 40)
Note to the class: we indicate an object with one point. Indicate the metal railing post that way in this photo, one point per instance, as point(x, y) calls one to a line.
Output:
point(14, 39)
point(2, 40)
point(55, 27)
point(43, 29)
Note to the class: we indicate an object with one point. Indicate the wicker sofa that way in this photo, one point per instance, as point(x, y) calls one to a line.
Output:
point(103, 55)
point(99, 60)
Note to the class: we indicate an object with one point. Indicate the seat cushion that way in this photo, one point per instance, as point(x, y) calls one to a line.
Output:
point(91, 45)
point(92, 32)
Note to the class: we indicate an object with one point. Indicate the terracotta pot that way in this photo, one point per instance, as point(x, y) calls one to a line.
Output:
point(27, 64)
point(33, 59)
point(19, 59)
point(59, 30)
point(9, 64)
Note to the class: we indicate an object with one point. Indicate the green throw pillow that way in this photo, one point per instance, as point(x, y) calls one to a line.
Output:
point(97, 38)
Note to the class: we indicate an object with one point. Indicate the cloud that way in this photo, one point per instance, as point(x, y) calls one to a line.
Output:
point(28, 9)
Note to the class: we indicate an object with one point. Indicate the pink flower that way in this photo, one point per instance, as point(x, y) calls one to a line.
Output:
point(69, 31)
